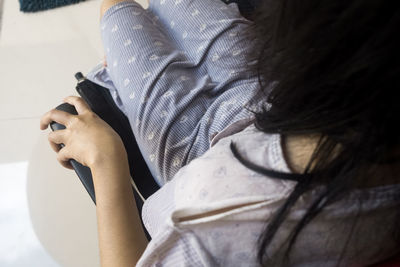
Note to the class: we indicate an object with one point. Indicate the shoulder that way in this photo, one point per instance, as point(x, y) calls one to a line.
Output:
point(219, 176)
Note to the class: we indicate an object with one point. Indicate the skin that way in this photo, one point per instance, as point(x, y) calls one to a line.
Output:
point(92, 142)
point(298, 150)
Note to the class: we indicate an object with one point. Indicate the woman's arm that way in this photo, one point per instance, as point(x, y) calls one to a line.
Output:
point(92, 142)
point(121, 238)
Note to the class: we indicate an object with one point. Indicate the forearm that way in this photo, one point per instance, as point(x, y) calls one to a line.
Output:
point(121, 237)
point(92, 142)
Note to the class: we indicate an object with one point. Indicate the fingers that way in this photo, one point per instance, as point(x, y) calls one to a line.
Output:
point(80, 105)
point(56, 139)
point(63, 158)
point(63, 117)
point(59, 137)
point(54, 115)
point(55, 147)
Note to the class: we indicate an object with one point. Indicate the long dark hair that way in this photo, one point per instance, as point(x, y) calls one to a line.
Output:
point(334, 71)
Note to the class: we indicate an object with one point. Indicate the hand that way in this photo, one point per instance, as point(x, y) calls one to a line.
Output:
point(87, 138)
point(92, 142)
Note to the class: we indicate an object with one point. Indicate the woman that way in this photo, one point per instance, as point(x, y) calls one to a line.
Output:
point(312, 180)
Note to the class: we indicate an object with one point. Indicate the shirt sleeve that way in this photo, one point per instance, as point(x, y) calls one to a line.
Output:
point(174, 249)
point(174, 102)
point(229, 242)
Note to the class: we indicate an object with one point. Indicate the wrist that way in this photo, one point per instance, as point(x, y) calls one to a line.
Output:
point(115, 154)
point(113, 167)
